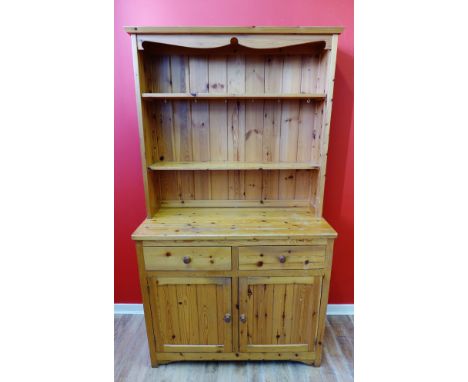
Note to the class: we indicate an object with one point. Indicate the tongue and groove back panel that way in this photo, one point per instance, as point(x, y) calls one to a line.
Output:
point(235, 130)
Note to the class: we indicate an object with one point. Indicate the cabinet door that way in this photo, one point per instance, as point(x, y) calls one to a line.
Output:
point(191, 314)
point(279, 314)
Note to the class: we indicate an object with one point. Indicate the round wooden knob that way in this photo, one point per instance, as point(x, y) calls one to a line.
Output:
point(187, 259)
point(242, 318)
point(282, 259)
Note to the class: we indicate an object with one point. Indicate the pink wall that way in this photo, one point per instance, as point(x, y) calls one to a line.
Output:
point(129, 198)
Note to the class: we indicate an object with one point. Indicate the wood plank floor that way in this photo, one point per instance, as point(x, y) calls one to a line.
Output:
point(131, 359)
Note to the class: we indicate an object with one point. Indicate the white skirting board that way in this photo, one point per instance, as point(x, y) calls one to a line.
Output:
point(332, 310)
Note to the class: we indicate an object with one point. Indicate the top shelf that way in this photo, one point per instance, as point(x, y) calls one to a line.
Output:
point(209, 96)
point(230, 165)
point(236, 30)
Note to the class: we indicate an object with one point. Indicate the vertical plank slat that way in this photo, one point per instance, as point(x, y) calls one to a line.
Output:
point(236, 124)
point(305, 131)
point(168, 185)
point(304, 147)
point(302, 186)
point(255, 83)
point(166, 319)
point(200, 131)
point(207, 309)
point(268, 311)
point(171, 298)
point(287, 184)
point(236, 74)
point(260, 308)
point(271, 125)
point(165, 138)
point(179, 74)
point(194, 335)
point(213, 320)
point(300, 302)
point(217, 76)
point(278, 309)
point(198, 66)
point(203, 313)
point(289, 125)
point(271, 131)
point(310, 65)
point(183, 313)
point(236, 148)
point(290, 109)
point(288, 312)
point(182, 126)
point(163, 113)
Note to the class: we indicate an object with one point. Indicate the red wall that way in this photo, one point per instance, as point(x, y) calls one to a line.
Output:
point(129, 197)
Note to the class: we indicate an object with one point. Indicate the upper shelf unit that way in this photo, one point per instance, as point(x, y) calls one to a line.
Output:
point(214, 96)
point(232, 165)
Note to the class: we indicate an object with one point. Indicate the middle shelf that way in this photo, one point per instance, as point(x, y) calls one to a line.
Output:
point(168, 166)
point(226, 96)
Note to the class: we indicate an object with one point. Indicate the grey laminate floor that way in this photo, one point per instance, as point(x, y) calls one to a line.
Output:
point(131, 359)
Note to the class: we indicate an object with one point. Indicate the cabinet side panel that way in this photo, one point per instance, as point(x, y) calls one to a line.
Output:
point(323, 304)
point(329, 72)
point(145, 133)
point(146, 303)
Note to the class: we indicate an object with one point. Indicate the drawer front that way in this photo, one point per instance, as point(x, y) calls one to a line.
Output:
point(281, 257)
point(187, 258)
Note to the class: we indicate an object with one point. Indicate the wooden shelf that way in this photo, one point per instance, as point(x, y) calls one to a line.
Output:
point(233, 30)
point(232, 166)
point(233, 223)
point(221, 96)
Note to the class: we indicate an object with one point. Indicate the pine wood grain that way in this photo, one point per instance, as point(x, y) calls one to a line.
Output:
point(234, 134)
point(234, 223)
point(227, 165)
point(237, 30)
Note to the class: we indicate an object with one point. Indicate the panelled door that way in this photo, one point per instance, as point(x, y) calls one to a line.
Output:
point(278, 314)
point(191, 314)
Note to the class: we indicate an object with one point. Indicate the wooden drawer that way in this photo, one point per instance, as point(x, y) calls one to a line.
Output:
point(281, 257)
point(187, 258)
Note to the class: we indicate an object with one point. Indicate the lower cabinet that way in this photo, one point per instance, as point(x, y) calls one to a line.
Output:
point(277, 314)
point(191, 314)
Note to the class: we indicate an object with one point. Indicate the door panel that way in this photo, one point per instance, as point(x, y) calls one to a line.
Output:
point(188, 313)
point(281, 313)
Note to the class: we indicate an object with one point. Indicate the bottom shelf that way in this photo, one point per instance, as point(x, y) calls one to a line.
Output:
point(233, 223)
